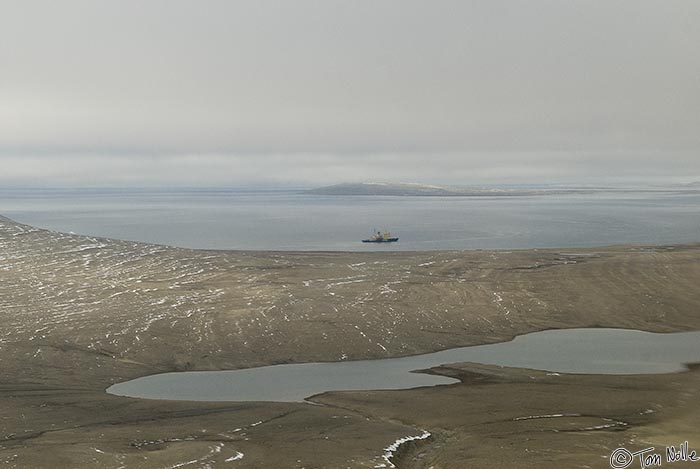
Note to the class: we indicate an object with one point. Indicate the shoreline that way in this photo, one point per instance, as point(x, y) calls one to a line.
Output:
point(81, 315)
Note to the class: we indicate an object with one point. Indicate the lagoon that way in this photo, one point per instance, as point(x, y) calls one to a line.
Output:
point(586, 350)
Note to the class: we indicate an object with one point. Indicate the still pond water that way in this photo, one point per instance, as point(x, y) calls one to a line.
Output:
point(600, 351)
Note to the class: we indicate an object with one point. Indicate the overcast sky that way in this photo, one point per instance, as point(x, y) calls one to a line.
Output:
point(232, 92)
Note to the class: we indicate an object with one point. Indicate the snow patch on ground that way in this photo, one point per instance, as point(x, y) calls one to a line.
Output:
point(390, 450)
point(238, 456)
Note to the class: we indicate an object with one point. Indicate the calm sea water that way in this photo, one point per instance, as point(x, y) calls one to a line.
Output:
point(288, 220)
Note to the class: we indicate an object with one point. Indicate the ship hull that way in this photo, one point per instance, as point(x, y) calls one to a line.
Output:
point(387, 240)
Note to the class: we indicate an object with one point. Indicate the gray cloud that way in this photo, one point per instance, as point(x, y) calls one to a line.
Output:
point(301, 91)
point(313, 169)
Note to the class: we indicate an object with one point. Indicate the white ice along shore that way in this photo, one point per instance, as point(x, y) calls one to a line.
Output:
point(390, 450)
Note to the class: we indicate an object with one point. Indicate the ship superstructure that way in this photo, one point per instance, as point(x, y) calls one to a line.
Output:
point(381, 237)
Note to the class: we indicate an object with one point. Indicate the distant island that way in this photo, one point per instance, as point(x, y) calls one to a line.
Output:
point(409, 189)
point(405, 189)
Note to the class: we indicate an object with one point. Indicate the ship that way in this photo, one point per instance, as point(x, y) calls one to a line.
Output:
point(380, 237)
